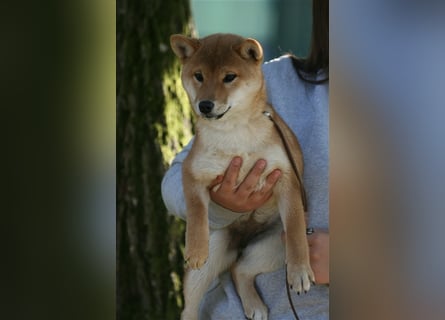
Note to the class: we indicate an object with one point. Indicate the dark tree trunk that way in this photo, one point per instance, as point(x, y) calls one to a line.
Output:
point(153, 123)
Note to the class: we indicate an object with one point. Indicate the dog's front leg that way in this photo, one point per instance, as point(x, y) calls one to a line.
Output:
point(299, 271)
point(197, 228)
point(197, 282)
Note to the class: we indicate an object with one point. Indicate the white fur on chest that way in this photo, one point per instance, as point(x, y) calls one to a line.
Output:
point(217, 149)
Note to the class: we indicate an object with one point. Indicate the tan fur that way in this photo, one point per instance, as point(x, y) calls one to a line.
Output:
point(237, 127)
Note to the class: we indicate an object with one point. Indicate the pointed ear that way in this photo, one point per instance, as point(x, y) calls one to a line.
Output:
point(184, 47)
point(250, 49)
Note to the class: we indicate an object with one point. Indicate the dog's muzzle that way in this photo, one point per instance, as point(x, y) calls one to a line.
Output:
point(206, 108)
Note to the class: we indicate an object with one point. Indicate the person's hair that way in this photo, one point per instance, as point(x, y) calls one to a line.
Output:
point(318, 58)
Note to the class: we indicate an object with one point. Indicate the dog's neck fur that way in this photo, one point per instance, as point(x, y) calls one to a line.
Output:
point(248, 129)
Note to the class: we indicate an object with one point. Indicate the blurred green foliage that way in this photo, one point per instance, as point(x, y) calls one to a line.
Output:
point(153, 124)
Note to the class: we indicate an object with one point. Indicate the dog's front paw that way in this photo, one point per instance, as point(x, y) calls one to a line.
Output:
point(300, 277)
point(196, 257)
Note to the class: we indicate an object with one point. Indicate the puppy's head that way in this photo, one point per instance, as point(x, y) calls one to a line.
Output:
point(222, 73)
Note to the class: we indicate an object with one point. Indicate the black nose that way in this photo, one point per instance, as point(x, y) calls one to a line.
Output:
point(206, 106)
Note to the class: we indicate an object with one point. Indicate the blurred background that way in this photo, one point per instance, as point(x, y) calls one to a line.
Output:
point(282, 26)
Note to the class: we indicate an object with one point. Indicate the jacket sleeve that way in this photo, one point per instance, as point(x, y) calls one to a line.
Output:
point(173, 195)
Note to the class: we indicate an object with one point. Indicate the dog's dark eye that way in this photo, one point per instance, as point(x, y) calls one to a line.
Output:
point(229, 77)
point(199, 77)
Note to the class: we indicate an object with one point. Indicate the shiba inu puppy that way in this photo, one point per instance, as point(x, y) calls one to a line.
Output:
point(222, 75)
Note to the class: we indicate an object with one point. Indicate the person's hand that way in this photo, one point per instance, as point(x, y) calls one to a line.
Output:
point(319, 255)
point(243, 198)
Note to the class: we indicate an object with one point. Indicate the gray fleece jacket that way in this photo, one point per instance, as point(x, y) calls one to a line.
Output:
point(305, 108)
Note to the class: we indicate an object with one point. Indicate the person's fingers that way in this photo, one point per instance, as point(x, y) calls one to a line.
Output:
point(271, 180)
point(251, 180)
point(230, 177)
point(215, 182)
point(262, 195)
point(243, 198)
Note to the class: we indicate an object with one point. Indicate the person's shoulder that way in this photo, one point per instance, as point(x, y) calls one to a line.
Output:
point(284, 67)
point(281, 62)
point(279, 68)
point(286, 58)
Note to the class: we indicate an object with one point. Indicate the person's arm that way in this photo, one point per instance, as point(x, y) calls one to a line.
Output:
point(171, 187)
point(319, 255)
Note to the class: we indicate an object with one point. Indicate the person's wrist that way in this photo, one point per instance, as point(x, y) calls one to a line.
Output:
point(221, 217)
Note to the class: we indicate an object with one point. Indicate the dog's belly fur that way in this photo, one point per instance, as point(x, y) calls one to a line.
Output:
point(208, 164)
point(252, 227)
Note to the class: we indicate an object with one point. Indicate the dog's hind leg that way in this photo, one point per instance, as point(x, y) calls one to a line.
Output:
point(197, 281)
point(264, 254)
